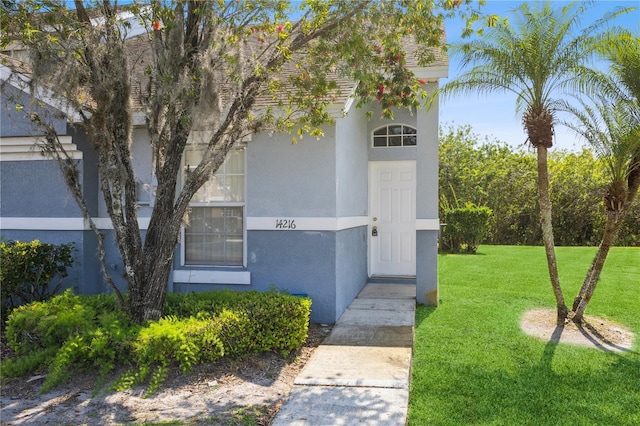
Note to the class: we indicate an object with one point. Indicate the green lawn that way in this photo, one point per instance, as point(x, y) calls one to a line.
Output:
point(473, 365)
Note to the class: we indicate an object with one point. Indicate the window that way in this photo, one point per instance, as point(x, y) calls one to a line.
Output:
point(394, 135)
point(214, 234)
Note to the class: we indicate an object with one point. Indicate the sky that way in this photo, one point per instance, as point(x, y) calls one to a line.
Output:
point(495, 116)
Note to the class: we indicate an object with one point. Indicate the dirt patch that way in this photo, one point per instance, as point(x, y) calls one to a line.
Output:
point(595, 332)
point(220, 393)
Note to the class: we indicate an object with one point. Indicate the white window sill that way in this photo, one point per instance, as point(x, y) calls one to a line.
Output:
point(191, 276)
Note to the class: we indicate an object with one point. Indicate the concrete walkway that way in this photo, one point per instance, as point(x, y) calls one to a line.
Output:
point(360, 372)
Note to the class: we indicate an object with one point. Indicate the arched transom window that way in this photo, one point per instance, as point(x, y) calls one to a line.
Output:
point(394, 135)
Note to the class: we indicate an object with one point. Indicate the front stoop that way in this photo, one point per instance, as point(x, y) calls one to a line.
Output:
point(360, 373)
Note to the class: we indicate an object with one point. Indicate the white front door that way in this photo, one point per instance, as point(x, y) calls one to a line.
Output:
point(392, 230)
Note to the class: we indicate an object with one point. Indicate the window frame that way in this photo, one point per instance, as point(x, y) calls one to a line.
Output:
point(388, 135)
point(213, 204)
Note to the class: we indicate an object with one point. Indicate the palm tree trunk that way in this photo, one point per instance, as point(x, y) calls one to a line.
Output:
point(547, 232)
point(614, 220)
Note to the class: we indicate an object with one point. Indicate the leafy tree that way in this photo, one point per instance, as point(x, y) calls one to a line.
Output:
point(536, 58)
point(576, 179)
point(487, 172)
point(202, 66)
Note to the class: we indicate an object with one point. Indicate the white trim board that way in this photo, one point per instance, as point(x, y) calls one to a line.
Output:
point(27, 149)
point(427, 224)
point(331, 224)
point(288, 223)
point(197, 276)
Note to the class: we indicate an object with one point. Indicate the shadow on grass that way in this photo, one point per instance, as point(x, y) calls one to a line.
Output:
point(423, 313)
point(537, 394)
point(600, 341)
point(550, 348)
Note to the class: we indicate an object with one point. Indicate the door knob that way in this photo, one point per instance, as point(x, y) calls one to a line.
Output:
point(374, 231)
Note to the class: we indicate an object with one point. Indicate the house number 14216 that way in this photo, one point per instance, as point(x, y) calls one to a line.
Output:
point(285, 224)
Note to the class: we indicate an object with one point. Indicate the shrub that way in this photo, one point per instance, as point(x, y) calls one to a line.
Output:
point(32, 271)
point(251, 321)
point(48, 324)
point(465, 228)
point(101, 348)
point(70, 333)
point(66, 332)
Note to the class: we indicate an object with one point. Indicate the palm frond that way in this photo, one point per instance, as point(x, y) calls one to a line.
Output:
point(537, 57)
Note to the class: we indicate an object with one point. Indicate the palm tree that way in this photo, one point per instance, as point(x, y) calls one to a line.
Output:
point(537, 58)
point(612, 127)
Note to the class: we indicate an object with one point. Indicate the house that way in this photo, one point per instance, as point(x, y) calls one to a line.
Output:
point(318, 218)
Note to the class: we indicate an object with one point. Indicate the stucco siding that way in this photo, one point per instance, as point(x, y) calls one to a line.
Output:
point(427, 165)
point(427, 267)
point(427, 207)
point(351, 165)
point(351, 265)
point(300, 262)
point(35, 189)
point(285, 179)
point(15, 122)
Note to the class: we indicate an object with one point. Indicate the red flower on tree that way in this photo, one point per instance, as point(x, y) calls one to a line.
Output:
point(156, 25)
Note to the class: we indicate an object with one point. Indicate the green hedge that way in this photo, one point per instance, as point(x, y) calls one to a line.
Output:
point(32, 271)
point(252, 321)
point(465, 228)
point(71, 332)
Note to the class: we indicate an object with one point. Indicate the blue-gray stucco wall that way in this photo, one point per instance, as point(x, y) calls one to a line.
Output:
point(35, 189)
point(427, 267)
point(286, 179)
point(15, 122)
point(352, 165)
point(351, 266)
point(299, 262)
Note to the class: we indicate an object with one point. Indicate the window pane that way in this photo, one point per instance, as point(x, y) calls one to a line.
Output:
point(194, 251)
point(395, 140)
point(380, 141)
point(196, 219)
point(409, 140)
point(381, 132)
point(214, 236)
point(234, 226)
point(215, 249)
point(234, 164)
point(234, 251)
point(192, 158)
point(409, 130)
point(234, 188)
point(216, 223)
point(395, 130)
point(213, 190)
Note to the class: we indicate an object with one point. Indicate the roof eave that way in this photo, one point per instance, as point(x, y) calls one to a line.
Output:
point(21, 82)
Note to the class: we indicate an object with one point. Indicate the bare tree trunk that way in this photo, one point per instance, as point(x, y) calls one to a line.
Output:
point(547, 232)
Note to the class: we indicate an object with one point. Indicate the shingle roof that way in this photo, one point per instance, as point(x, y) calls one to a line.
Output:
point(139, 56)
